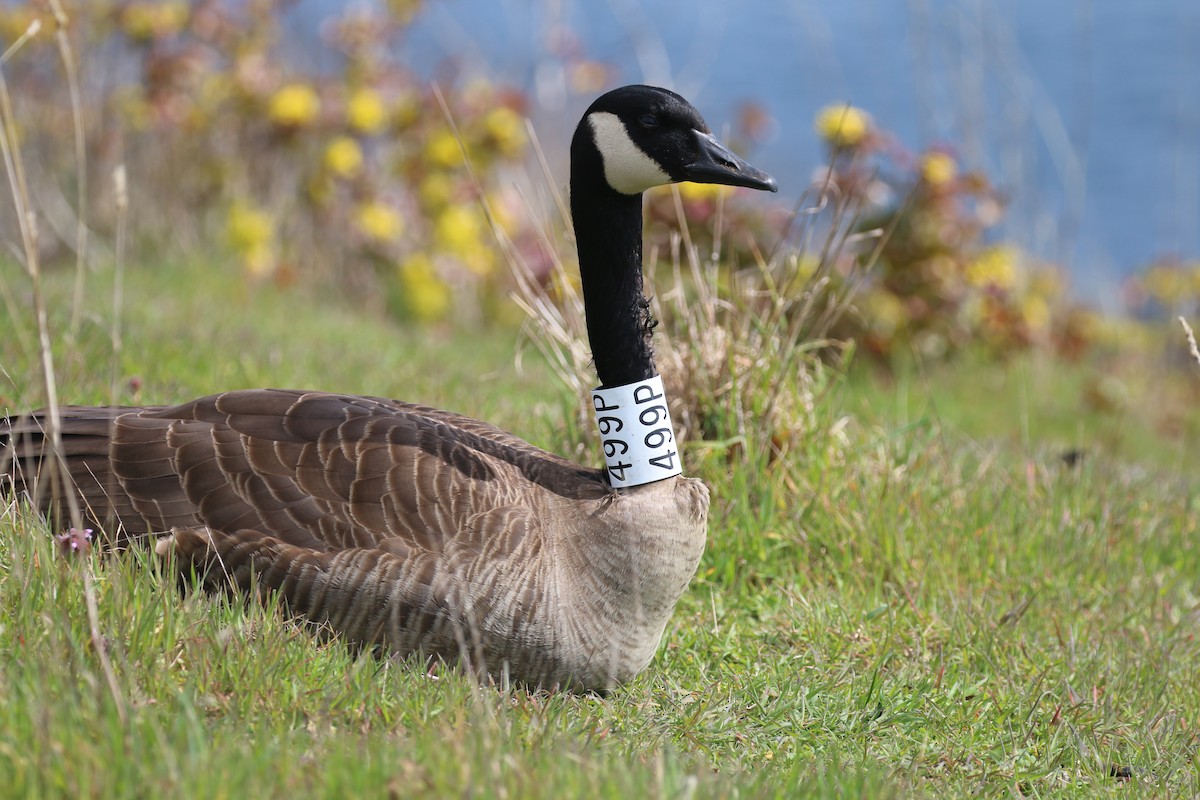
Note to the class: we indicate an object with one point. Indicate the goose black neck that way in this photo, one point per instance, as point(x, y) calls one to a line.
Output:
point(608, 233)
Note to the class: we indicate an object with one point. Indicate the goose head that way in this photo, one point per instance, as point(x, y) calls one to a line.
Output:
point(630, 140)
point(644, 136)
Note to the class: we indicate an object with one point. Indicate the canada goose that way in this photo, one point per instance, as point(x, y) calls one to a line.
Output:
point(418, 530)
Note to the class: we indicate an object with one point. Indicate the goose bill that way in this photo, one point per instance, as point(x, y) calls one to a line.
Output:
point(718, 164)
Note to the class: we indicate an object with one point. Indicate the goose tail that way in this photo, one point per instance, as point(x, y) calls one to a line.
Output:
point(25, 462)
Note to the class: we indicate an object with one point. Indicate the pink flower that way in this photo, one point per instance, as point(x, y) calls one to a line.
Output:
point(75, 540)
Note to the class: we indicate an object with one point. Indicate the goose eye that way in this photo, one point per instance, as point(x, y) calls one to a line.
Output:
point(648, 121)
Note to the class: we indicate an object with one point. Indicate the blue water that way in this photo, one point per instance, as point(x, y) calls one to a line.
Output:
point(1086, 113)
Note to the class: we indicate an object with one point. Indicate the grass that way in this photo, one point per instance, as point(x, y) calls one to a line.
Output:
point(922, 598)
point(1135, 406)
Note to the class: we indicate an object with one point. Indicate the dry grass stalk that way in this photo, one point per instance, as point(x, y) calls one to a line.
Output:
point(121, 200)
point(60, 481)
point(1191, 338)
point(81, 187)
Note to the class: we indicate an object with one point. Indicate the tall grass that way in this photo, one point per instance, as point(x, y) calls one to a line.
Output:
point(890, 608)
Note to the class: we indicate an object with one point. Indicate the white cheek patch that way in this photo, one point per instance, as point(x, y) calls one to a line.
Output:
point(626, 167)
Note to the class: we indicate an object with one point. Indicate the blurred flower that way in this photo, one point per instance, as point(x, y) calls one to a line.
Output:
point(1035, 311)
point(442, 149)
point(994, 266)
point(154, 20)
point(458, 228)
point(16, 21)
point(425, 293)
point(938, 169)
point(588, 77)
point(479, 258)
point(459, 231)
point(435, 191)
point(564, 285)
point(365, 111)
point(76, 541)
point(248, 226)
point(806, 265)
point(506, 129)
point(843, 126)
point(701, 191)
point(251, 233)
point(379, 221)
point(344, 157)
point(295, 105)
point(478, 92)
point(883, 311)
point(1167, 284)
point(404, 10)
point(1046, 282)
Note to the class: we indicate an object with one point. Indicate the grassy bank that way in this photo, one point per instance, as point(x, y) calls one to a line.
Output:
point(922, 598)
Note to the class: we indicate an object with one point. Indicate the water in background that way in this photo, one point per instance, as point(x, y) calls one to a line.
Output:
point(1087, 112)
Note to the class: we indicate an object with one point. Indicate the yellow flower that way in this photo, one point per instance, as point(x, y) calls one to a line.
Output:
point(295, 105)
point(1045, 283)
point(459, 231)
point(260, 262)
point(403, 11)
point(564, 285)
point(248, 227)
point(1036, 312)
point(458, 228)
point(1167, 283)
point(806, 265)
point(16, 21)
point(843, 125)
point(251, 233)
point(505, 127)
point(379, 221)
point(442, 149)
point(365, 111)
point(884, 311)
point(994, 266)
point(938, 169)
point(701, 191)
point(425, 293)
point(152, 20)
point(343, 157)
point(435, 191)
point(479, 258)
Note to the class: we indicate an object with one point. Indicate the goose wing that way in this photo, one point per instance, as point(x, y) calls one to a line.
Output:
point(314, 470)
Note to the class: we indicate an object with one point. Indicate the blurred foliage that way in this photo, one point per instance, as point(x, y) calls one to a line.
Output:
point(1170, 286)
point(342, 167)
point(939, 283)
point(941, 280)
